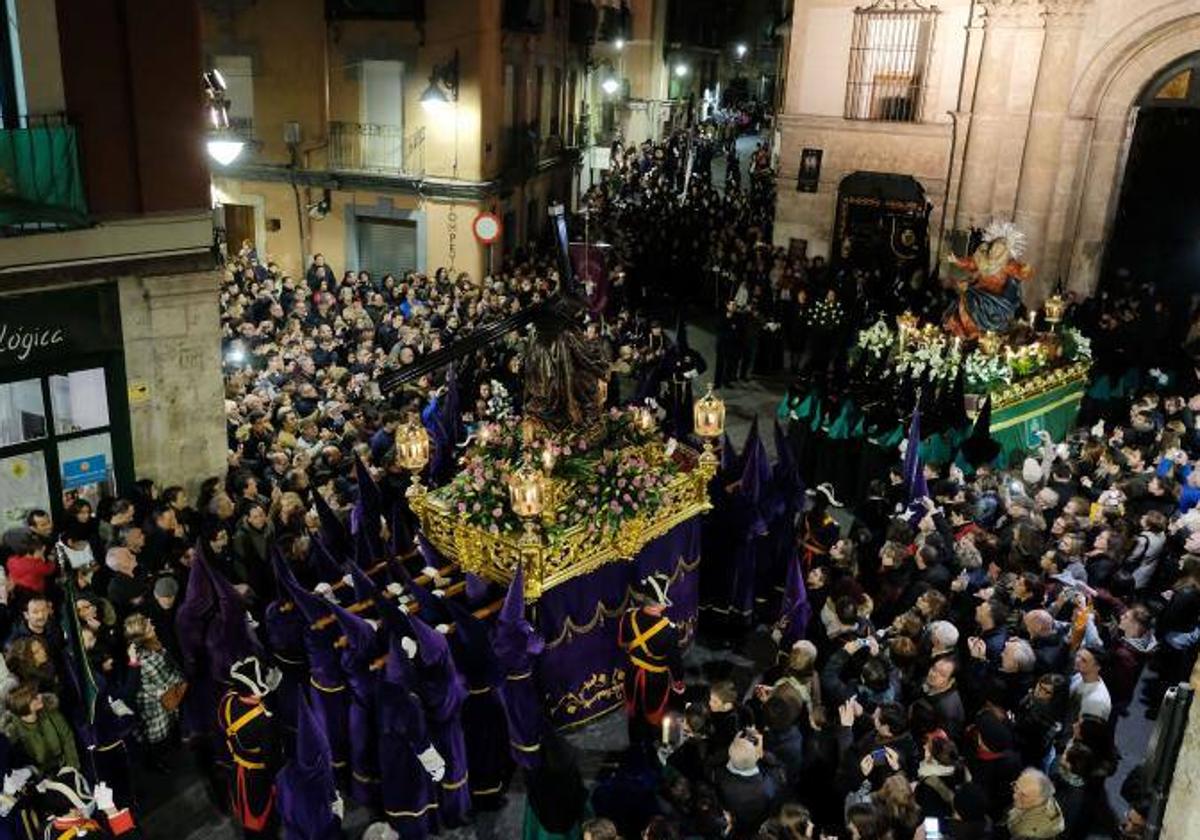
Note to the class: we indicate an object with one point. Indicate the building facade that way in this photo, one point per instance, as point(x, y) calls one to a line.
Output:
point(109, 331)
point(1011, 109)
point(346, 160)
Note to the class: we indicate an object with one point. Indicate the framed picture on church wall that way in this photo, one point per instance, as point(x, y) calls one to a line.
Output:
point(810, 170)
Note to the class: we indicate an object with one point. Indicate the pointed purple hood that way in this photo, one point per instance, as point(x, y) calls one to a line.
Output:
point(516, 642)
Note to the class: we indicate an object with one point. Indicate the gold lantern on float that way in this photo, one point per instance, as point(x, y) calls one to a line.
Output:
point(708, 418)
point(527, 498)
point(412, 450)
point(1055, 308)
point(527, 491)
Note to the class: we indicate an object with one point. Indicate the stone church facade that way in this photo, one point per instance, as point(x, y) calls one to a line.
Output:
point(1013, 109)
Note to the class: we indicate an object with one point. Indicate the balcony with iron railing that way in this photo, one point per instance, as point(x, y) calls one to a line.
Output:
point(41, 188)
point(525, 150)
point(376, 149)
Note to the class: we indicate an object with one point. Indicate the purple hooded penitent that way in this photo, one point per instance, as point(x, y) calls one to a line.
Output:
point(517, 648)
point(333, 531)
point(367, 516)
point(442, 692)
point(409, 793)
point(305, 787)
point(359, 652)
point(484, 723)
point(326, 684)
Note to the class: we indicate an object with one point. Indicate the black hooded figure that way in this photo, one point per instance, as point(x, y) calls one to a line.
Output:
point(981, 448)
point(684, 365)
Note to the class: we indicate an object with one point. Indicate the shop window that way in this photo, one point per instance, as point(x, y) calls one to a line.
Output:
point(85, 466)
point(55, 439)
point(22, 415)
point(80, 401)
point(23, 487)
point(889, 61)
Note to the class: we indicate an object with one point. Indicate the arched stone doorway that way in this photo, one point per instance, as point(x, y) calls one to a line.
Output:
point(1155, 234)
point(1097, 138)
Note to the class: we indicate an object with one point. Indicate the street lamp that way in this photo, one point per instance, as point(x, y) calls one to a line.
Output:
point(223, 145)
point(619, 44)
point(443, 85)
point(741, 50)
point(681, 70)
point(610, 86)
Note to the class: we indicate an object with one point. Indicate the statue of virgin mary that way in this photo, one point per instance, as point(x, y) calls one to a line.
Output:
point(988, 282)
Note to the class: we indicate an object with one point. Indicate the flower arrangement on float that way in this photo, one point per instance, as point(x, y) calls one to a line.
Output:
point(926, 353)
point(599, 479)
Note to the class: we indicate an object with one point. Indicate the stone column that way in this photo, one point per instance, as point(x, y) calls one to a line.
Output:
point(1043, 146)
point(996, 126)
point(171, 329)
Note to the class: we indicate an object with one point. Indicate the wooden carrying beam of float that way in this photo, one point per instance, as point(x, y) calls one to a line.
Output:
point(481, 613)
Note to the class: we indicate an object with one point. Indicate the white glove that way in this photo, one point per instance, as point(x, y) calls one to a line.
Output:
point(372, 623)
point(439, 593)
point(395, 590)
point(433, 763)
point(103, 795)
point(443, 629)
point(429, 572)
point(325, 591)
point(118, 707)
point(409, 645)
point(348, 579)
point(338, 806)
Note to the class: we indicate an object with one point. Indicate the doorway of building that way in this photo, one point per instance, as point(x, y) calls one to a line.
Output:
point(1156, 231)
point(239, 227)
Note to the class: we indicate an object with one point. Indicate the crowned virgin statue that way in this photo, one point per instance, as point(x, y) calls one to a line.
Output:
point(988, 282)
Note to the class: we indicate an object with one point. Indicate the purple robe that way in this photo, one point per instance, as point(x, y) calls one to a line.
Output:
point(360, 650)
point(483, 718)
point(305, 788)
point(408, 792)
point(442, 692)
point(283, 632)
point(326, 688)
point(517, 647)
point(366, 518)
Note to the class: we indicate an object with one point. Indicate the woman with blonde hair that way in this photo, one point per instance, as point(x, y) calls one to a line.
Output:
point(160, 685)
point(898, 806)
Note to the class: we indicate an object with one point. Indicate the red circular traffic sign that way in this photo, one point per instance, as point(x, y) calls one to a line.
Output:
point(486, 228)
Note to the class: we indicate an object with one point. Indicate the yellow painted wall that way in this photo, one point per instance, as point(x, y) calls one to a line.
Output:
point(297, 58)
point(328, 235)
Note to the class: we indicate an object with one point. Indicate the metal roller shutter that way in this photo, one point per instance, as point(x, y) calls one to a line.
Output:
point(387, 246)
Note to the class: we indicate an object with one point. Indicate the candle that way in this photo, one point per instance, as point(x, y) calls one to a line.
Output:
point(957, 343)
point(666, 735)
point(1033, 321)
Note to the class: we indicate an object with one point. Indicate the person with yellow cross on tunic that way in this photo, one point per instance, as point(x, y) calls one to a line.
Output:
point(654, 667)
point(251, 737)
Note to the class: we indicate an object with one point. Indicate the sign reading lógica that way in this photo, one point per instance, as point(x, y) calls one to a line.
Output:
point(58, 324)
